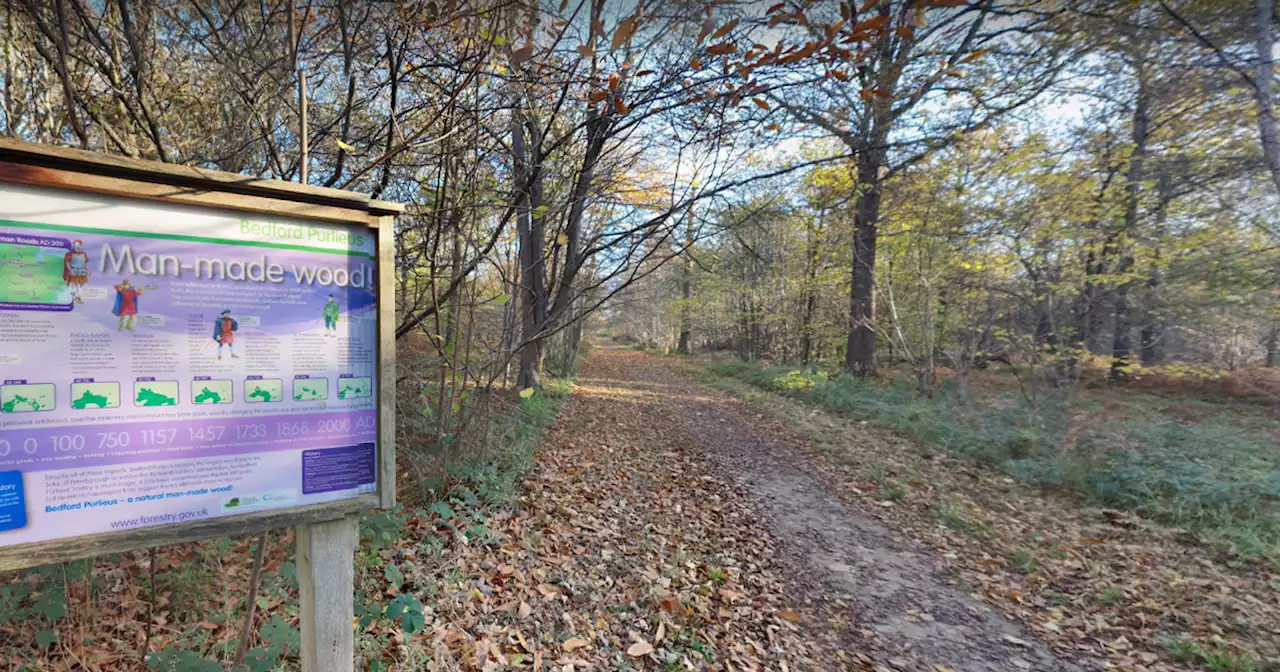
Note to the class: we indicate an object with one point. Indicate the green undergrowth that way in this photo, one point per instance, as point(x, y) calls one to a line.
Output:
point(1204, 464)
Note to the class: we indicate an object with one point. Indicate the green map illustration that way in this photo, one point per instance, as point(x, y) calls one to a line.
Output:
point(211, 391)
point(95, 395)
point(310, 389)
point(155, 393)
point(32, 274)
point(354, 387)
point(258, 391)
point(26, 398)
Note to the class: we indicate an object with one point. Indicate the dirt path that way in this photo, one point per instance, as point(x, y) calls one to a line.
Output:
point(714, 477)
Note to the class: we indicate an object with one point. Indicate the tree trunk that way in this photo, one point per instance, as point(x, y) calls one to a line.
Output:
point(455, 266)
point(1264, 41)
point(686, 290)
point(1273, 347)
point(532, 290)
point(861, 349)
point(1153, 327)
point(1122, 342)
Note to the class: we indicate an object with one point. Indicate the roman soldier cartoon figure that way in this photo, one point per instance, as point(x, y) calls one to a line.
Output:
point(224, 333)
point(75, 269)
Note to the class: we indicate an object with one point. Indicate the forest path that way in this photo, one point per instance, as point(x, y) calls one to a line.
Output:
point(833, 579)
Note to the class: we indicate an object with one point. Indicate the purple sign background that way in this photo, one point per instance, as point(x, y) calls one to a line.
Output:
point(179, 371)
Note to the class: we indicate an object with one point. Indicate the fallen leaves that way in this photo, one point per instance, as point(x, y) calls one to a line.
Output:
point(1093, 583)
point(575, 643)
point(640, 649)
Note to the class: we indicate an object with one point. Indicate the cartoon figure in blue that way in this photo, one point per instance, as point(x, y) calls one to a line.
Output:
point(224, 333)
point(126, 305)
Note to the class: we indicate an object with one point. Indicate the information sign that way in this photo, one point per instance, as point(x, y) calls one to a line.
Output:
point(166, 363)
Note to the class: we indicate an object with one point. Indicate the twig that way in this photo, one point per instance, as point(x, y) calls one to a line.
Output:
point(151, 605)
point(254, 578)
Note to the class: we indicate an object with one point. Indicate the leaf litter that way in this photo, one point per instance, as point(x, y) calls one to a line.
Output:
point(1099, 586)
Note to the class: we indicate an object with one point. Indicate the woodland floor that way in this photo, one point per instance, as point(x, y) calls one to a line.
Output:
point(706, 526)
point(670, 525)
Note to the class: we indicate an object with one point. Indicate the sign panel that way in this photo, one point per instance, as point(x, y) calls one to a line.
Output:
point(163, 363)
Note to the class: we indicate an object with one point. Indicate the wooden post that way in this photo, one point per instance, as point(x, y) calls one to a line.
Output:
point(326, 582)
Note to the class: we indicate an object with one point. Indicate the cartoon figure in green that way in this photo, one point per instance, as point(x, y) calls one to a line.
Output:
point(331, 317)
point(224, 333)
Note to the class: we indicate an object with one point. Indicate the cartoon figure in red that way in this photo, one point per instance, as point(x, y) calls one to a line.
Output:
point(126, 307)
point(224, 333)
point(75, 269)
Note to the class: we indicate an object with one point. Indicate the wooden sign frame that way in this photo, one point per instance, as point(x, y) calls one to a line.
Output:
point(75, 170)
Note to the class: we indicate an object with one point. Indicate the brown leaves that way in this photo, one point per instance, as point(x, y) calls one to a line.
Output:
point(640, 649)
point(574, 643)
point(724, 30)
point(519, 56)
point(973, 57)
point(626, 28)
point(872, 24)
point(722, 49)
point(708, 25)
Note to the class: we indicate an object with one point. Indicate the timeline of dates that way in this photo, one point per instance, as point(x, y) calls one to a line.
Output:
point(37, 448)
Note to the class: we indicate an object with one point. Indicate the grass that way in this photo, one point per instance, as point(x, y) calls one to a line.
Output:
point(1205, 464)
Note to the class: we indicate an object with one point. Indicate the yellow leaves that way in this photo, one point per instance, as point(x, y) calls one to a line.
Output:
point(546, 588)
point(346, 147)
